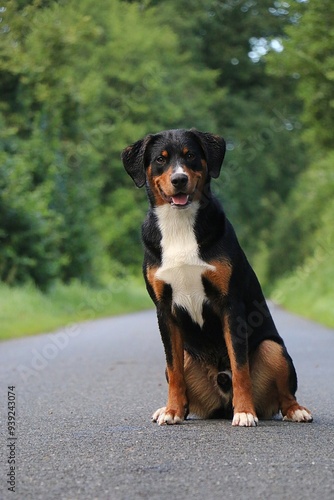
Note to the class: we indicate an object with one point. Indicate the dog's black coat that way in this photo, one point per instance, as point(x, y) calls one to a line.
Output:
point(155, 161)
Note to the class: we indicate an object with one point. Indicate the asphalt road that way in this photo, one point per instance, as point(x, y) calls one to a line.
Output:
point(84, 397)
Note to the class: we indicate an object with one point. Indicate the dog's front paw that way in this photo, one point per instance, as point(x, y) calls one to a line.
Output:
point(164, 416)
point(298, 414)
point(245, 420)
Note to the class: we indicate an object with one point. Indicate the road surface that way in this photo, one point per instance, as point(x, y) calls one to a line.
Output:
point(83, 400)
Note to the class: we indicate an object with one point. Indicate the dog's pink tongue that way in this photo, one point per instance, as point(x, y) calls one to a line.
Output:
point(180, 199)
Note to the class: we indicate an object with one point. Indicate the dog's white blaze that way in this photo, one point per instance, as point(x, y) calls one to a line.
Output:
point(179, 170)
point(182, 267)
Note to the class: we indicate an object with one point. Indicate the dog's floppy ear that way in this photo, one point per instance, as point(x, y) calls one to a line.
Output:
point(214, 148)
point(133, 158)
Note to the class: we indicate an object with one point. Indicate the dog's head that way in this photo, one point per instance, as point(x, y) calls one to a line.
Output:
point(175, 164)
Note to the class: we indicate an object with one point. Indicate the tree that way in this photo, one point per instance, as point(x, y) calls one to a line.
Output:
point(259, 116)
point(79, 82)
point(308, 58)
point(40, 140)
point(303, 228)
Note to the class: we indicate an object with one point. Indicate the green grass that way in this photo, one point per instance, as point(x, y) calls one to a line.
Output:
point(26, 310)
point(309, 291)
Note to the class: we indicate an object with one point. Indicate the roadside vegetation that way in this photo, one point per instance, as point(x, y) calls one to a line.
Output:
point(308, 291)
point(26, 310)
point(79, 81)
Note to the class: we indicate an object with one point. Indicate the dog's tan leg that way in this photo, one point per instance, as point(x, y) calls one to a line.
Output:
point(244, 411)
point(243, 405)
point(274, 383)
point(176, 408)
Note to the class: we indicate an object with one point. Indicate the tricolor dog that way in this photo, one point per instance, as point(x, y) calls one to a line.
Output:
point(225, 358)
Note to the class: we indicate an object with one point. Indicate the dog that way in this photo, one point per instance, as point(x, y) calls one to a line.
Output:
point(224, 355)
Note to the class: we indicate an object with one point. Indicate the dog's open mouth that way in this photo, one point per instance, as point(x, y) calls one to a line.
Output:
point(179, 200)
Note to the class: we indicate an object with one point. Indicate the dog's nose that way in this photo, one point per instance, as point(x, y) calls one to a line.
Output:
point(179, 180)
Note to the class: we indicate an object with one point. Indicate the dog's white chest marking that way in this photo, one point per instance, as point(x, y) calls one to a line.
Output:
point(182, 268)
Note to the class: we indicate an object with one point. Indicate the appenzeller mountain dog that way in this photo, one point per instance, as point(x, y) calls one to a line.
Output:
point(225, 358)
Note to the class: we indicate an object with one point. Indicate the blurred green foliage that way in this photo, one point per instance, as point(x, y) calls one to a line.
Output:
point(259, 116)
point(303, 230)
point(79, 81)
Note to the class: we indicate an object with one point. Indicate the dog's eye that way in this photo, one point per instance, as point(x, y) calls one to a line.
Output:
point(161, 160)
point(190, 156)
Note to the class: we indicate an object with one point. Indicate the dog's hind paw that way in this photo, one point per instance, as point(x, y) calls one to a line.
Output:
point(245, 420)
point(298, 414)
point(163, 416)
